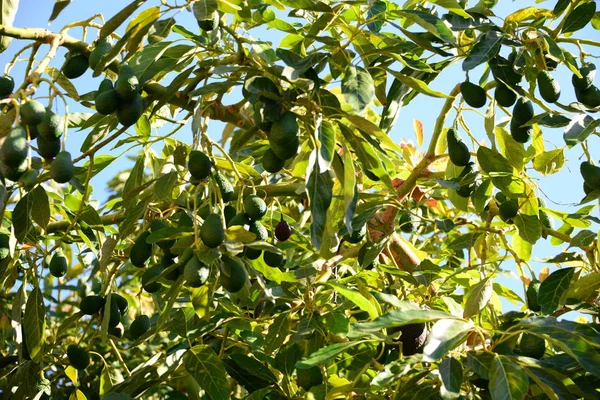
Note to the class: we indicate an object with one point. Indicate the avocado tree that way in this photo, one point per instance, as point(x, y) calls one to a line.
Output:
point(265, 237)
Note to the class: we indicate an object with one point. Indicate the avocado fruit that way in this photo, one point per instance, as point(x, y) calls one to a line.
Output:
point(413, 337)
point(255, 207)
point(91, 305)
point(12, 173)
point(283, 136)
point(273, 259)
point(149, 274)
point(115, 313)
point(78, 357)
point(211, 232)
point(259, 230)
point(457, 149)
point(590, 174)
point(139, 326)
point(195, 272)
point(140, 251)
point(33, 130)
point(405, 222)
point(75, 65)
point(532, 295)
point(474, 95)
point(548, 87)
point(199, 165)
point(127, 84)
point(156, 225)
point(229, 212)
point(105, 86)
point(504, 95)
point(466, 181)
point(7, 85)
point(240, 219)
point(543, 215)
point(120, 302)
point(522, 111)
point(116, 331)
point(32, 112)
point(357, 235)
point(508, 210)
point(107, 102)
point(58, 265)
point(48, 149)
point(62, 169)
point(589, 97)
point(520, 134)
point(532, 346)
point(233, 274)
point(588, 73)
point(271, 163)
point(4, 244)
point(225, 187)
point(14, 149)
point(211, 23)
point(51, 127)
point(101, 48)
point(129, 111)
point(309, 377)
point(29, 179)
point(283, 231)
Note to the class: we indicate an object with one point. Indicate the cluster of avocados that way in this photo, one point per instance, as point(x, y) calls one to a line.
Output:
point(459, 155)
point(123, 97)
point(585, 91)
point(42, 124)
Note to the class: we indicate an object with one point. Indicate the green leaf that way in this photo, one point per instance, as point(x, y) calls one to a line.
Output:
point(59, 5)
point(484, 50)
point(140, 26)
point(112, 24)
point(109, 377)
point(552, 384)
point(451, 372)
point(358, 87)
point(404, 316)
point(529, 226)
point(204, 9)
point(585, 287)
point(549, 162)
point(554, 288)
point(416, 84)
point(477, 297)
point(393, 104)
point(278, 332)
point(509, 148)
point(445, 335)
point(40, 212)
point(34, 323)
point(350, 188)
point(163, 187)
point(355, 297)
point(454, 6)
point(255, 367)
point(578, 130)
point(579, 17)
point(430, 23)
point(325, 354)
point(172, 89)
point(8, 11)
point(204, 366)
point(376, 16)
point(508, 380)
point(287, 357)
point(319, 187)
point(372, 130)
point(495, 165)
point(327, 141)
point(583, 238)
point(21, 218)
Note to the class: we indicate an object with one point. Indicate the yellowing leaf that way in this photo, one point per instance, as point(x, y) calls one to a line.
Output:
point(418, 127)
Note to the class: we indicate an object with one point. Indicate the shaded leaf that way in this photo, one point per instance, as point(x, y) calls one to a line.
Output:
point(508, 380)
point(579, 17)
point(59, 5)
point(553, 289)
point(358, 87)
point(484, 50)
point(34, 323)
point(202, 363)
point(477, 297)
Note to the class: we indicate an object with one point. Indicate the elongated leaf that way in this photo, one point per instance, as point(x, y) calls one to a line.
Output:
point(445, 335)
point(34, 323)
point(319, 187)
point(451, 372)
point(402, 317)
point(416, 84)
point(326, 145)
point(508, 380)
point(578, 130)
point(454, 6)
point(21, 218)
point(370, 129)
point(354, 296)
point(172, 89)
point(112, 24)
point(429, 22)
point(358, 87)
point(484, 50)
point(477, 297)
point(141, 25)
point(553, 386)
point(585, 287)
point(8, 11)
point(202, 364)
point(553, 288)
point(549, 162)
point(40, 211)
point(255, 367)
point(392, 107)
point(496, 165)
point(59, 5)
point(350, 189)
point(325, 354)
point(278, 331)
point(529, 226)
point(376, 16)
point(579, 17)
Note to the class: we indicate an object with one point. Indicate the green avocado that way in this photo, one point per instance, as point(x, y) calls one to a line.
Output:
point(589, 97)
point(128, 113)
point(283, 136)
point(4, 244)
point(116, 331)
point(115, 314)
point(457, 149)
point(520, 134)
point(102, 47)
point(259, 230)
point(590, 174)
point(273, 259)
point(588, 73)
point(62, 169)
point(522, 111)
point(149, 274)
point(13, 173)
point(309, 377)
point(7, 85)
point(240, 219)
point(225, 187)
point(75, 66)
point(105, 86)
point(58, 265)
point(229, 212)
point(107, 102)
point(251, 254)
point(14, 149)
point(357, 235)
point(140, 251)
point(405, 222)
point(127, 84)
point(211, 23)
point(33, 131)
point(78, 357)
point(156, 225)
point(91, 305)
point(29, 179)
point(532, 295)
point(508, 210)
point(199, 165)
point(32, 112)
point(120, 302)
point(255, 207)
point(195, 272)
point(271, 163)
point(532, 346)
point(52, 126)
point(474, 95)
point(211, 232)
point(139, 326)
point(233, 274)
point(48, 148)
point(466, 188)
point(504, 95)
point(548, 87)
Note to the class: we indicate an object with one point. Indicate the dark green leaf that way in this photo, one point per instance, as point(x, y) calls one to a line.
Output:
point(477, 297)
point(278, 332)
point(553, 289)
point(529, 226)
point(319, 187)
point(451, 372)
point(8, 11)
point(402, 317)
point(326, 145)
point(429, 22)
point(358, 87)
point(579, 17)
point(255, 367)
point(325, 354)
point(580, 127)
point(484, 50)
point(204, 366)
point(508, 380)
point(40, 211)
point(376, 16)
point(59, 5)
point(112, 24)
point(172, 89)
point(583, 238)
point(21, 218)
point(34, 323)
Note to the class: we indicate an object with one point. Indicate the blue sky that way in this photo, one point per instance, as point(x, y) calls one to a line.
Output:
point(564, 189)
